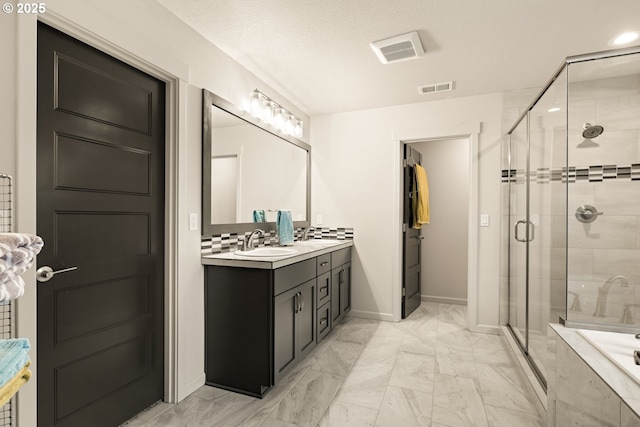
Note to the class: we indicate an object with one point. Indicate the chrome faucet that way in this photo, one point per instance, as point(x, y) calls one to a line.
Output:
point(305, 233)
point(627, 314)
point(575, 306)
point(248, 239)
point(603, 291)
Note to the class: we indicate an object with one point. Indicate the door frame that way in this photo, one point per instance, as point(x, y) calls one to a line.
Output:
point(462, 130)
point(174, 74)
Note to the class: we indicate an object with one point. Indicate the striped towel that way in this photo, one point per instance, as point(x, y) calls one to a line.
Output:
point(11, 387)
point(14, 355)
point(17, 252)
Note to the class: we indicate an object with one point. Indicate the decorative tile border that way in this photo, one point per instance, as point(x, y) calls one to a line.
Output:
point(596, 173)
point(229, 242)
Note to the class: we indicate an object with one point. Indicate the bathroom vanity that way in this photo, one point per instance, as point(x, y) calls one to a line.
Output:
point(263, 315)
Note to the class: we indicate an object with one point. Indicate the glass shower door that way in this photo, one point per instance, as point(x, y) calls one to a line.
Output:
point(518, 221)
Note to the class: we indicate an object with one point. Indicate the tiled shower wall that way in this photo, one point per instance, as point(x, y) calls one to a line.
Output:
point(603, 172)
point(229, 242)
point(609, 246)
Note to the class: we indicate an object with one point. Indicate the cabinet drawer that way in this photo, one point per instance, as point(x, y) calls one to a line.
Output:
point(324, 288)
point(340, 257)
point(323, 263)
point(293, 275)
point(324, 321)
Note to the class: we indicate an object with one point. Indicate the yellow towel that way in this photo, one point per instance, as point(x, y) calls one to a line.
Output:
point(11, 387)
point(420, 197)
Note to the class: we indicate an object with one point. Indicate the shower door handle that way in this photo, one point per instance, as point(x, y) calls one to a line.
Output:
point(531, 234)
point(515, 227)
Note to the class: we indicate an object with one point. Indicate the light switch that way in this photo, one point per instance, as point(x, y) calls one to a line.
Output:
point(484, 220)
point(193, 221)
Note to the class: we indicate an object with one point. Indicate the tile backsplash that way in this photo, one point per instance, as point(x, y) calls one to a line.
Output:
point(229, 242)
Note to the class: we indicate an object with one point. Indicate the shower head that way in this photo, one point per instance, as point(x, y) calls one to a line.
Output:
point(591, 131)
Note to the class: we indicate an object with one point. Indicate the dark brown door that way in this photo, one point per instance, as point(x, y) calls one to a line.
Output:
point(412, 239)
point(100, 208)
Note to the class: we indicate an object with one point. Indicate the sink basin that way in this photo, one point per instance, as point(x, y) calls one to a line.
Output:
point(262, 252)
point(319, 242)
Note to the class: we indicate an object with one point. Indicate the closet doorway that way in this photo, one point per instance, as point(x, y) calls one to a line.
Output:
point(444, 254)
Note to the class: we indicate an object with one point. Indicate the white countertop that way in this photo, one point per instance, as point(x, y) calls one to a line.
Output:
point(303, 252)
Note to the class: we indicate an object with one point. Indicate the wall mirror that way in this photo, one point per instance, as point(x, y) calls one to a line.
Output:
point(248, 170)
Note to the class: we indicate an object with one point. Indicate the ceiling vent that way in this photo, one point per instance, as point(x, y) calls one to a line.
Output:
point(398, 48)
point(436, 87)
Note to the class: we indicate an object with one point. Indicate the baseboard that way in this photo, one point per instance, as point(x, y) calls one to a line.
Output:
point(185, 390)
point(444, 300)
point(388, 317)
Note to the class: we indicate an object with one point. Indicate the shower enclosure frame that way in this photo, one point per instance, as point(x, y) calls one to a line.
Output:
point(538, 366)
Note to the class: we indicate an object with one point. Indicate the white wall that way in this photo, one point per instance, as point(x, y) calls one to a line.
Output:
point(444, 247)
point(146, 31)
point(273, 175)
point(353, 176)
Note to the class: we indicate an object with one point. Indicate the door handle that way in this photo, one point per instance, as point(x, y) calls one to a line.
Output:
point(302, 301)
point(322, 264)
point(296, 302)
point(421, 237)
point(322, 288)
point(515, 227)
point(323, 320)
point(531, 231)
point(44, 274)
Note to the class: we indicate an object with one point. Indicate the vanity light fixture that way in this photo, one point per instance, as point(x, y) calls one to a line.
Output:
point(266, 109)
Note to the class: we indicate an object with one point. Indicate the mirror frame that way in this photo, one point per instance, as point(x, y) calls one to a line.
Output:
point(210, 99)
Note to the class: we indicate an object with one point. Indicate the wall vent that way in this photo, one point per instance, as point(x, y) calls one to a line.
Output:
point(398, 48)
point(436, 87)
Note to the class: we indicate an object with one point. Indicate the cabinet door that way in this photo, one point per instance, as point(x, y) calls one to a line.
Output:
point(335, 295)
point(306, 319)
point(345, 290)
point(286, 309)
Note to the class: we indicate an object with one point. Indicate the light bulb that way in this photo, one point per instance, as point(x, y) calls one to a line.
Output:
point(255, 104)
point(297, 131)
point(280, 119)
point(288, 126)
point(268, 111)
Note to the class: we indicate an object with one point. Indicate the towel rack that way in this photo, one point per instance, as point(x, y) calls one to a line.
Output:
point(7, 314)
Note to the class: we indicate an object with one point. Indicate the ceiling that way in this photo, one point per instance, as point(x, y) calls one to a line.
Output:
point(316, 53)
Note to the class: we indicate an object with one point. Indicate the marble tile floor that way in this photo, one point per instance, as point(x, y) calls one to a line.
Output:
point(427, 370)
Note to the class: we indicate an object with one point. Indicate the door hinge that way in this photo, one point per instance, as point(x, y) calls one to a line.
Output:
point(404, 163)
point(404, 292)
point(404, 228)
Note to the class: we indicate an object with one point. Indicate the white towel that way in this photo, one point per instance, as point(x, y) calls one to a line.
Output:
point(11, 289)
point(17, 253)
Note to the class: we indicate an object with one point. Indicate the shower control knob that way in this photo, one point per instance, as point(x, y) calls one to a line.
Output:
point(587, 213)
